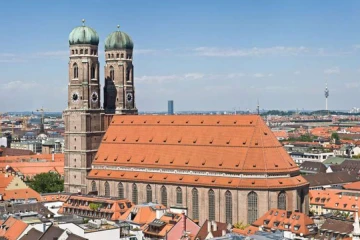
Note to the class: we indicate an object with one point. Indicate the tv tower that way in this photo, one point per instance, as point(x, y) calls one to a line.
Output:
point(326, 97)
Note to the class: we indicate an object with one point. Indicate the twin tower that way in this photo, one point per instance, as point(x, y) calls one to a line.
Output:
point(85, 118)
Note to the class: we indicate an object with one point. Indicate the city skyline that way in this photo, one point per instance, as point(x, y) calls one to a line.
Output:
point(212, 56)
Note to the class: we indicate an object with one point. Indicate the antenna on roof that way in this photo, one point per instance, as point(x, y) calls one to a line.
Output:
point(258, 107)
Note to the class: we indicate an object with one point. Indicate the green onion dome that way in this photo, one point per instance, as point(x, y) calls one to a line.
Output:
point(83, 35)
point(118, 40)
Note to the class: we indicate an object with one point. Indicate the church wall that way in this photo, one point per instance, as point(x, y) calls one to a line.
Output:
point(266, 199)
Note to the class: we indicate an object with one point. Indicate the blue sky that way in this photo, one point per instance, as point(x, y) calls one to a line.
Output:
point(205, 55)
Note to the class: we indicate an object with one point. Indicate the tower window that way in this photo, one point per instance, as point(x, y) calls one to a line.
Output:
point(72, 52)
point(122, 55)
point(128, 74)
point(112, 73)
point(92, 52)
point(109, 55)
point(76, 70)
point(86, 51)
point(117, 55)
point(112, 55)
point(81, 51)
point(95, 52)
point(76, 51)
point(93, 72)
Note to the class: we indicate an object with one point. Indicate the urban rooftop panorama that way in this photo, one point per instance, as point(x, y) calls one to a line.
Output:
point(185, 120)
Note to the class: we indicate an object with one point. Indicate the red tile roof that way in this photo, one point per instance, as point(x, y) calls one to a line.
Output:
point(81, 203)
point(298, 223)
point(233, 144)
point(12, 228)
point(18, 193)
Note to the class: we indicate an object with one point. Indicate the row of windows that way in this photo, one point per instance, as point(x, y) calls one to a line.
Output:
point(82, 51)
point(76, 71)
point(128, 56)
point(252, 200)
point(112, 73)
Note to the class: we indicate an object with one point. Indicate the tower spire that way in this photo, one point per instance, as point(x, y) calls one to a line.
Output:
point(258, 107)
point(326, 96)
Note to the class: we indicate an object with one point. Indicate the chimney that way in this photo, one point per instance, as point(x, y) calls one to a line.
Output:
point(53, 156)
point(214, 224)
point(184, 222)
point(223, 233)
point(209, 226)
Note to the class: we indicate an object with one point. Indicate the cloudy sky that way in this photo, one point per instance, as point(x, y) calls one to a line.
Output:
point(204, 54)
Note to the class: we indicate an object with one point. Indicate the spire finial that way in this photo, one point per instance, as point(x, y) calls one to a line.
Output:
point(83, 22)
point(118, 27)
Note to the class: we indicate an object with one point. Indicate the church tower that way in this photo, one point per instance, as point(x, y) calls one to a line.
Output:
point(119, 91)
point(84, 126)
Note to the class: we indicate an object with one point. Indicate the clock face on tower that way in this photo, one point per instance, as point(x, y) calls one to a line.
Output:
point(94, 97)
point(129, 97)
point(75, 97)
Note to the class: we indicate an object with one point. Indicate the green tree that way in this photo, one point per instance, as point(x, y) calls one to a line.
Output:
point(47, 183)
point(241, 225)
point(335, 136)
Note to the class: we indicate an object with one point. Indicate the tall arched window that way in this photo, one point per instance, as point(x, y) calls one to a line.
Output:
point(134, 194)
point(86, 51)
point(148, 193)
point(81, 51)
point(76, 70)
point(128, 74)
point(179, 196)
point(122, 55)
point(195, 204)
point(211, 196)
point(282, 201)
point(302, 200)
point(163, 196)
point(93, 72)
point(228, 207)
point(112, 73)
point(252, 207)
point(107, 189)
point(93, 186)
point(121, 190)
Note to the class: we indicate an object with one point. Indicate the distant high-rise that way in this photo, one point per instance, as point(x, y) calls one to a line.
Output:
point(171, 107)
point(326, 97)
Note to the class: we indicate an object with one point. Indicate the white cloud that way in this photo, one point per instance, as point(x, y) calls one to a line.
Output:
point(19, 85)
point(258, 75)
point(52, 54)
point(334, 70)
point(297, 72)
point(145, 51)
point(250, 52)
